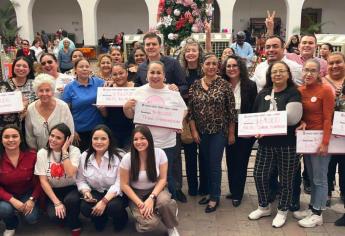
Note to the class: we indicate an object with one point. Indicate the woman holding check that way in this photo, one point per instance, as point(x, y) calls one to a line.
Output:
point(277, 152)
point(99, 183)
point(158, 93)
point(318, 107)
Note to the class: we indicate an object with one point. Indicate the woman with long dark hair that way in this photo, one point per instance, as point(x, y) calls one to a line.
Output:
point(234, 70)
point(143, 175)
point(57, 166)
point(19, 187)
point(99, 183)
point(277, 152)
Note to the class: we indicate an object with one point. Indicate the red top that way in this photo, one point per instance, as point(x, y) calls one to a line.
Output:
point(19, 180)
point(318, 106)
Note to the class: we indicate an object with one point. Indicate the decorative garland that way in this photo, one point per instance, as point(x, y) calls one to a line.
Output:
point(178, 19)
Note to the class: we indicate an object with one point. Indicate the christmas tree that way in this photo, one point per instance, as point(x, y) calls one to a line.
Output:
point(178, 19)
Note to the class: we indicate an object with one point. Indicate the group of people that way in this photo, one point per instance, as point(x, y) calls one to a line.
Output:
point(73, 156)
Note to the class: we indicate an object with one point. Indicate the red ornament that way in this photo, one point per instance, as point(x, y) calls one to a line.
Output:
point(57, 170)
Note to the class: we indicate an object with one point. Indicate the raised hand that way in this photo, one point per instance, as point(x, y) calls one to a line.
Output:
point(270, 22)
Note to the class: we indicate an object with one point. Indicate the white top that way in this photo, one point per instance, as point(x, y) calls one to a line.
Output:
point(259, 76)
point(60, 82)
point(44, 165)
point(237, 95)
point(38, 52)
point(99, 177)
point(37, 128)
point(162, 137)
point(143, 182)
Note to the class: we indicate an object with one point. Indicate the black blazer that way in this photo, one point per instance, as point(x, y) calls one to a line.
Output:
point(31, 56)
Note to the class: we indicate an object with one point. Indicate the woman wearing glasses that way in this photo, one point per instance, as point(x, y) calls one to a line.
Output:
point(25, 51)
point(49, 65)
point(45, 112)
point(277, 152)
point(318, 106)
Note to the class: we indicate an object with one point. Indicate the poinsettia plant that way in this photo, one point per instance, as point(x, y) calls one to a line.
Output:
point(178, 19)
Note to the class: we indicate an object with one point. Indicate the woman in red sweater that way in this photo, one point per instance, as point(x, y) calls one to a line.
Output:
point(19, 187)
point(318, 107)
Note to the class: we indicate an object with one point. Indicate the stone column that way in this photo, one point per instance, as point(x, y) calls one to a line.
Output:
point(23, 9)
point(293, 16)
point(89, 16)
point(152, 7)
point(226, 8)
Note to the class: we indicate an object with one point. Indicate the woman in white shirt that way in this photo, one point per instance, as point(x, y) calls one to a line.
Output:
point(158, 93)
point(36, 46)
point(45, 113)
point(99, 183)
point(57, 166)
point(143, 174)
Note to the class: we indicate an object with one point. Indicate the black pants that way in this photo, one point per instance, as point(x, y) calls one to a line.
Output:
point(70, 197)
point(177, 166)
point(115, 209)
point(192, 156)
point(237, 157)
point(332, 167)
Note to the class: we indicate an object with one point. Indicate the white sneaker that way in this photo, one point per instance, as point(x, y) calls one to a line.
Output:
point(299, 215)
point(311, 221)
point(173, 232)
point(9, 232)
point(280, 219)
point(260, 212)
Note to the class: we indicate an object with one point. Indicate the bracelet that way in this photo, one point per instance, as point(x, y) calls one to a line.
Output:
point(64, 158)
point(105, 201)
point(58, 204)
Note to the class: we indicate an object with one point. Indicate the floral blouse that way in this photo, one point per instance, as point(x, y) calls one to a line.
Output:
point(213, 109)
point(27, 89)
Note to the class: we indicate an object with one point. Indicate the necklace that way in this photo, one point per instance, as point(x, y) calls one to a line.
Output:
point(208, 83)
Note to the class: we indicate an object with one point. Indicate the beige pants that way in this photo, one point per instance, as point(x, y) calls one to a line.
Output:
point(165, 210)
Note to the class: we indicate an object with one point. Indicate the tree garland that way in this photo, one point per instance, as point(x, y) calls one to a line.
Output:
point(178, 19)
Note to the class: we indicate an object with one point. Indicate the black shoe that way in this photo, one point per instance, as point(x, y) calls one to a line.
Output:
point(204, 201)
point(210, 209)
point(236, 202)
point(294, 206)
point(228, 196)
point(307, 188)
point(328, 202)
point(180, 196)
point(340, 221)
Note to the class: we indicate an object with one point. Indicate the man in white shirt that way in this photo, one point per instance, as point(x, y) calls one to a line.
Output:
point(274, 47)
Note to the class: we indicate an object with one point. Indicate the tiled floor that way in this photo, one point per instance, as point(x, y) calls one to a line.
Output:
point(226, 221)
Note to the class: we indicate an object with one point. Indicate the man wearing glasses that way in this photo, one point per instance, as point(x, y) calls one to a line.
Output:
point(25, 51)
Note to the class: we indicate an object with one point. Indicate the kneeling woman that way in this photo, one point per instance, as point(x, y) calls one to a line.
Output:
point(57, 166)
point(19, 188)
point(143, 174)
point(98, 181)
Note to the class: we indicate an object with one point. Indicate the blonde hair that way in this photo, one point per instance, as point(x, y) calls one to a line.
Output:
point(101, 56)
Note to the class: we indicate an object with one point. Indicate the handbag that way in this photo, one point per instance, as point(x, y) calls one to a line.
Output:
point(186, 135)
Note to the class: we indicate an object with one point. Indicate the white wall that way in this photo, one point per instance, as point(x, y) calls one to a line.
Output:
point(121, 16)
point(246, 9)
point(333, 12)
point(50, 15)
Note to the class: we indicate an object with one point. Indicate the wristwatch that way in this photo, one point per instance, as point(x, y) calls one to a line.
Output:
point(153, 197)
point(32, 199)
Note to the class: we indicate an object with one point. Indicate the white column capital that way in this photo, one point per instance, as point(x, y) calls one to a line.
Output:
point(23, 9)
point(293, 16)
point(89, 16)
point(226, 8)
point(152, 7)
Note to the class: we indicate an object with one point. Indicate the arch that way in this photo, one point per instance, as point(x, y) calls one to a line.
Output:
point(245, 10)
point(216, 17)
point(330, 12)
point(50, 15)
point(121, 16)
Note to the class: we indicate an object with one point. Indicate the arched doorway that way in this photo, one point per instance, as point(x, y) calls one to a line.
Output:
point(50, 15)
point(121, 16)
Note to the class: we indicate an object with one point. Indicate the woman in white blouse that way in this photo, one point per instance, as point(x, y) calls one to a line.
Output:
point(143, 174)
point(99, 183)
point(45, 112)
point(57, 166)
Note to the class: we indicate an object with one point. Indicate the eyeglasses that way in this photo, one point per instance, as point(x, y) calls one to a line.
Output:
point(43, 63)
point(275, 72)
point(25, 44)
point(311, 71)
point(232, 66)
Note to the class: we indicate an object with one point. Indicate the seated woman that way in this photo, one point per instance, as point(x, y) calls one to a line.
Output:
point(119, 124)
point(98, 181)
point(45, 112)
point(19, 187)
point(143, 175)
point(56, 167)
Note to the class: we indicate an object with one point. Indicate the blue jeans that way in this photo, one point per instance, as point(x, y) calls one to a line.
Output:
point(8, 213)
point(171, 155)
point(212, 149)
point(317, 167)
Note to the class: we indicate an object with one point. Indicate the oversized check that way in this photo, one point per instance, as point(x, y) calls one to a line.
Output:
point(158, 115)
point(114, 96)
point(339, 123)
point(309, 140)
point(11, 102)
point(264, 123)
